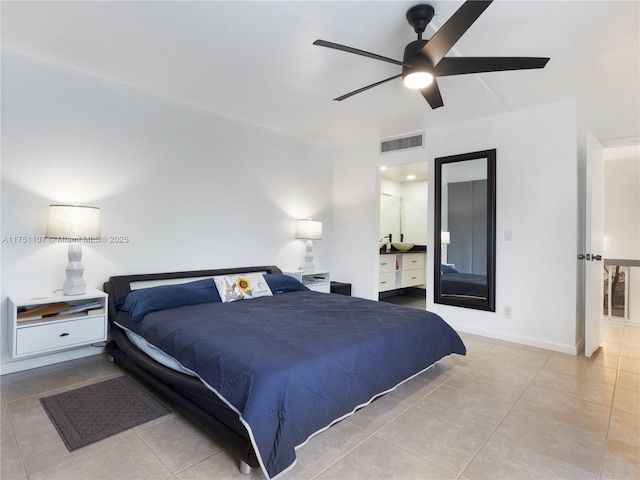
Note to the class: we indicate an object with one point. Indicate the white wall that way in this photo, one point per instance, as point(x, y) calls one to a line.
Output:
point(356, 219)
point(190, 190)
point(537, 199)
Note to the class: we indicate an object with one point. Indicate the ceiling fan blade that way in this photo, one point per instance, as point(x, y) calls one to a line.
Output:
point(463, 65)
point(350, 94)
point(324, 43)
point(432, 95)
point(444, 39)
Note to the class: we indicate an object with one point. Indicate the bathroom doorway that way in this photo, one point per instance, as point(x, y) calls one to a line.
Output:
point(403, 223)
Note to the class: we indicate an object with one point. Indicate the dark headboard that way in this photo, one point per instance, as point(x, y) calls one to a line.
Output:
point(121, 285)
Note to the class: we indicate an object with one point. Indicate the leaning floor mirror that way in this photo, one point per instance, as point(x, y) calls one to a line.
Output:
point(465, 230)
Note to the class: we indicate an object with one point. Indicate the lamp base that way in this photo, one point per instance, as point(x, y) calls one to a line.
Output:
point(309, 266)
point(74, 284)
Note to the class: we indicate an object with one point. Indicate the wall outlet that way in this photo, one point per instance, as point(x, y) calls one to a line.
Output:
point(506, 312)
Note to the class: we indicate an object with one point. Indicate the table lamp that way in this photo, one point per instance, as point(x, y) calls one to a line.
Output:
point(309, 230)
point(73, 224)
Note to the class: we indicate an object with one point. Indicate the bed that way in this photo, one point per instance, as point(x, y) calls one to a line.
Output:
point(265, 374)
point(458, 284)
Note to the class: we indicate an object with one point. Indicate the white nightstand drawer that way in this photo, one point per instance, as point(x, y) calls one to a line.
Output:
point(45, 337)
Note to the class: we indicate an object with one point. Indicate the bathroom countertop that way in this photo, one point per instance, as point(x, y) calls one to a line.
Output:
point(415, 249)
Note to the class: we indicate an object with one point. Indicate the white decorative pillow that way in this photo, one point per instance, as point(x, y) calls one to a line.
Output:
point(241, 286)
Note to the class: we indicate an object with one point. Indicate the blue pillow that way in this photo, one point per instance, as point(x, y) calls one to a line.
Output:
point(447, 269)
point(140, 302)
point(280, 283)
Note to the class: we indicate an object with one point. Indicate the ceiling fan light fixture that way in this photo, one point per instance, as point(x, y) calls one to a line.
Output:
point(417, 79)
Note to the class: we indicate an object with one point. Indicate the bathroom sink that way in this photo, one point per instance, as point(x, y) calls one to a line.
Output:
point(402, 246)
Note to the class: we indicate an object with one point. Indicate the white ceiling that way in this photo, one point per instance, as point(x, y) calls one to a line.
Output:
point(255, 61)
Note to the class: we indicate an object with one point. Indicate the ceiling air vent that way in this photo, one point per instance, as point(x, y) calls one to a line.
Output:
point(415, 140)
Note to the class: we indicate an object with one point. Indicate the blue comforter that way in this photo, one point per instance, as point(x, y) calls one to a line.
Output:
point(464, 284)
point(294, 363)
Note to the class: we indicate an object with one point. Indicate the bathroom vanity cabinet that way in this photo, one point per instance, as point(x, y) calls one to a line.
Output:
point(401, 270)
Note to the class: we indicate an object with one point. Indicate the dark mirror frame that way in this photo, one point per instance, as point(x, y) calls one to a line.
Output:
point(489, 303)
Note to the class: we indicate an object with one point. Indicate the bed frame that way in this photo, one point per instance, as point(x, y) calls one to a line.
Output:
point(186, 393)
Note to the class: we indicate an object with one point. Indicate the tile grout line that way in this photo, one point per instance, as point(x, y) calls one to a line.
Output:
point(502, 419)
point(153, 452)
point(373, 434)
point(15, 437)
point(613, 399)
point(317, 475)
point(395, 417)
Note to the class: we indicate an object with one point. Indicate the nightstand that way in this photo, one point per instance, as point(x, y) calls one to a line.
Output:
point(48, 323)
point(341, 288)
point(318, 281)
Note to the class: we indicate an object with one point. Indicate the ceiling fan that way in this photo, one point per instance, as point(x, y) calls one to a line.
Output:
point(424, 60)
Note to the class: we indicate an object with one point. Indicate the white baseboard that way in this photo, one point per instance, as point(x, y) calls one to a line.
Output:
point(523, 340)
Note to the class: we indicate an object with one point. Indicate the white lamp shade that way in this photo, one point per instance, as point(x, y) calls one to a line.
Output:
point(445, 238)
point(309, 229)
point(73, 222)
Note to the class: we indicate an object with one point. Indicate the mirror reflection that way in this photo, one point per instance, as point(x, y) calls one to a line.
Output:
point(465, 230)
point(390, 217)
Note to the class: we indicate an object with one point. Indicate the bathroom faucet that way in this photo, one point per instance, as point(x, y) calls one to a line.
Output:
point(390, 236)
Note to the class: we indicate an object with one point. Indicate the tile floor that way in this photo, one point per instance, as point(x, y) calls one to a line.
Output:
point(503, 412)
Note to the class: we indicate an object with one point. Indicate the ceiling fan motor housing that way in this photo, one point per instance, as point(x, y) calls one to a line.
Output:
point(414, 60)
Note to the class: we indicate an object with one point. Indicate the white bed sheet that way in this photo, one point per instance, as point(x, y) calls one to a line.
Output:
point(157, 354)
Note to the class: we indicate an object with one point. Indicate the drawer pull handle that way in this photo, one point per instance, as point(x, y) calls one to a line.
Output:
point(64, 334)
